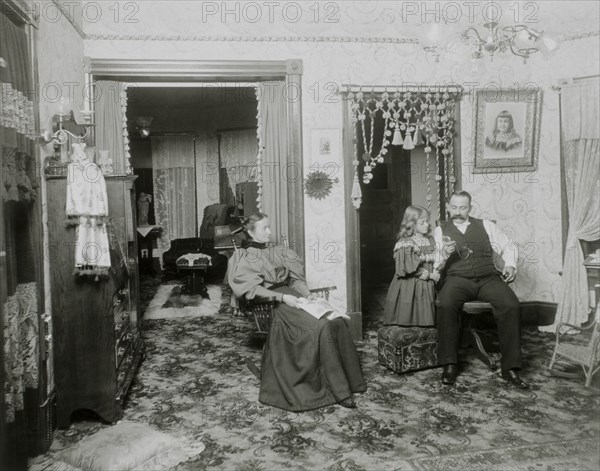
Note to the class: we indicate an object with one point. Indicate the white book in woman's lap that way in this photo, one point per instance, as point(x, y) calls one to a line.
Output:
point(321, 307)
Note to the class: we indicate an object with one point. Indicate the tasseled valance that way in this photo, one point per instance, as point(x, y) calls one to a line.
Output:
point(420, 117)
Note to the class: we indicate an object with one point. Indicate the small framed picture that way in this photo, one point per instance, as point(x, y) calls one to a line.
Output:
point(325, 145)
point(506, 130)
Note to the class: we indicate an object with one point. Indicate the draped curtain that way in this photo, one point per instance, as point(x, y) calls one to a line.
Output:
point(272, 156)
point(580, 115)
point(18, 293)
point(238, 155)
point(174, 188)
point(109, 123)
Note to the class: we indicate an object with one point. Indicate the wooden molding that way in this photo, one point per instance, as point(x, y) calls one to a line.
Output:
point(187, 70)
point(21, 11)
point(353, 280)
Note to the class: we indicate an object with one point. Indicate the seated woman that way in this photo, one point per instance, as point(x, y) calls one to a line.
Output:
point(307, 363)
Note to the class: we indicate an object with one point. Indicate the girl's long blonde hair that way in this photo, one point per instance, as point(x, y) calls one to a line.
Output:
point(409, 221)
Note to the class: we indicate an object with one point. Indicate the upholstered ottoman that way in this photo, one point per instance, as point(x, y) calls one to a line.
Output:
point(404, 349)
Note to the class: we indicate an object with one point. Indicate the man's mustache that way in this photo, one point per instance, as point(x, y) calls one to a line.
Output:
point(456, 216)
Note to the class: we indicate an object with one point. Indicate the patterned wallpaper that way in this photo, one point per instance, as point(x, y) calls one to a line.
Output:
point(373, 43)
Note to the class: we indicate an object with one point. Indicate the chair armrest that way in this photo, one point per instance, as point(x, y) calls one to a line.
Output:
point(571, 326)
point(324, 292)
point(325, 288)
point(261, 300)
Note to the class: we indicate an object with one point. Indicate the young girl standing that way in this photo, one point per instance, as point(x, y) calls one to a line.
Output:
point(411, 295)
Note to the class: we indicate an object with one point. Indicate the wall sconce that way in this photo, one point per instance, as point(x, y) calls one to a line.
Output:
point(65, 126)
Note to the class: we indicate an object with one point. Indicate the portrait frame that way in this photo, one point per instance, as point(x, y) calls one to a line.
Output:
point(506, 130)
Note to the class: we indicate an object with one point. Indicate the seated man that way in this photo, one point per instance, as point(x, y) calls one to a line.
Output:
point(465, 258)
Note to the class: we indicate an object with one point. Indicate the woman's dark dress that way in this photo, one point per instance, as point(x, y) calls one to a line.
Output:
point(411, 301)
point(307, 363)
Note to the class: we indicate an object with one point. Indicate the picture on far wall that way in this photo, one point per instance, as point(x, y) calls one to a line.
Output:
point(506, 130)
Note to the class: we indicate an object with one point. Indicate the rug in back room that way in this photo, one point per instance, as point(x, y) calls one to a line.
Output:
point(170, 302)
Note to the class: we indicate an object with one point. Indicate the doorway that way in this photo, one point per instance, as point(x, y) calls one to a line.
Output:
point(181, 163)
point(289, 72)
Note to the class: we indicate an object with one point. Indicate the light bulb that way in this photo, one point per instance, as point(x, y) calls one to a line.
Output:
point(63, 106)
point(550, 43)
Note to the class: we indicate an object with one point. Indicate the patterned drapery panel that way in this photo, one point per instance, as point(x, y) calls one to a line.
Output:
point(21, 347)
point(406, 119)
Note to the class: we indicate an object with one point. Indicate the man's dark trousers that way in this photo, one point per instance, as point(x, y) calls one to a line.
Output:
point(458, 290)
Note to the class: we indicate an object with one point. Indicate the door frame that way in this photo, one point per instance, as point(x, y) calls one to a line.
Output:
point(353, 278)
point(186, 71)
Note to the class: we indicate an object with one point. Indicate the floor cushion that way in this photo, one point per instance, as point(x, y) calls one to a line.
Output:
point(129, 446)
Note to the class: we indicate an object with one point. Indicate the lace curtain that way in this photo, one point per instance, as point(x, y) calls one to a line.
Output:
point(17, 121)
point(238, 150)
point(405, 119)
point(21, 348)
point(174, 188)
point(580, 115)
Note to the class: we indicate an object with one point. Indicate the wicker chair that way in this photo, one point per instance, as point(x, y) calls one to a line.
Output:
point(575, 352)
point(261, 310)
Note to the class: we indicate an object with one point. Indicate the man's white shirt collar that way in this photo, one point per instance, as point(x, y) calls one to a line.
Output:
point(462, 224)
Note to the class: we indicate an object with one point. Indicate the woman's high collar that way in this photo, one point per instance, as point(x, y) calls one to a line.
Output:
point(253, 243)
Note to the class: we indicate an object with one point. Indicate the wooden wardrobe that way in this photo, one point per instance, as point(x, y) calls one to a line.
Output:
point(96, 335)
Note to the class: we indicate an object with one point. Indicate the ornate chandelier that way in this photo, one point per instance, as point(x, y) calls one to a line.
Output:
point(521, 40)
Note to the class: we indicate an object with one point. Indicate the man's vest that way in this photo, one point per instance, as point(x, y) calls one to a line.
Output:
point(480, 263)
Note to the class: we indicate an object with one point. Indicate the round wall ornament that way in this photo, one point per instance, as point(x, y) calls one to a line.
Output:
point(318, 185)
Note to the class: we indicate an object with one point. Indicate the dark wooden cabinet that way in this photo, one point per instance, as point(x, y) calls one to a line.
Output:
point(96, 336)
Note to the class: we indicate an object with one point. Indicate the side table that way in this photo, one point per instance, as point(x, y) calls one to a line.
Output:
point(196, 265)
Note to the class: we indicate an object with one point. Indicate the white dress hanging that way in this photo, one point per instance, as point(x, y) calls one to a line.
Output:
point(87, 206)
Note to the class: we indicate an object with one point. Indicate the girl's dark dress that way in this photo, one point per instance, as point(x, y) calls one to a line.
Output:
point(307, 363)
point(411, 301)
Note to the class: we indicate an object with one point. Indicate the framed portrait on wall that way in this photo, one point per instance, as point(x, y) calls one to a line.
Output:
point(506, 130)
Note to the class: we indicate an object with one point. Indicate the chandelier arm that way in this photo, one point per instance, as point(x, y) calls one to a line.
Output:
point(525, 53)
point(475, 32)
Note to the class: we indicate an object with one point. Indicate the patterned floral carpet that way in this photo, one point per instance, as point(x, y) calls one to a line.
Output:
point(194, 383)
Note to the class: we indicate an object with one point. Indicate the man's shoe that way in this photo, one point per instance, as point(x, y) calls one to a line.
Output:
point(513, 378)
point(449, 374)
point(348, 403)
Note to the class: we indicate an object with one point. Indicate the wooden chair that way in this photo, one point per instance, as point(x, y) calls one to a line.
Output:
point(261, 310)
point(571, 351)
point(469, 310)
